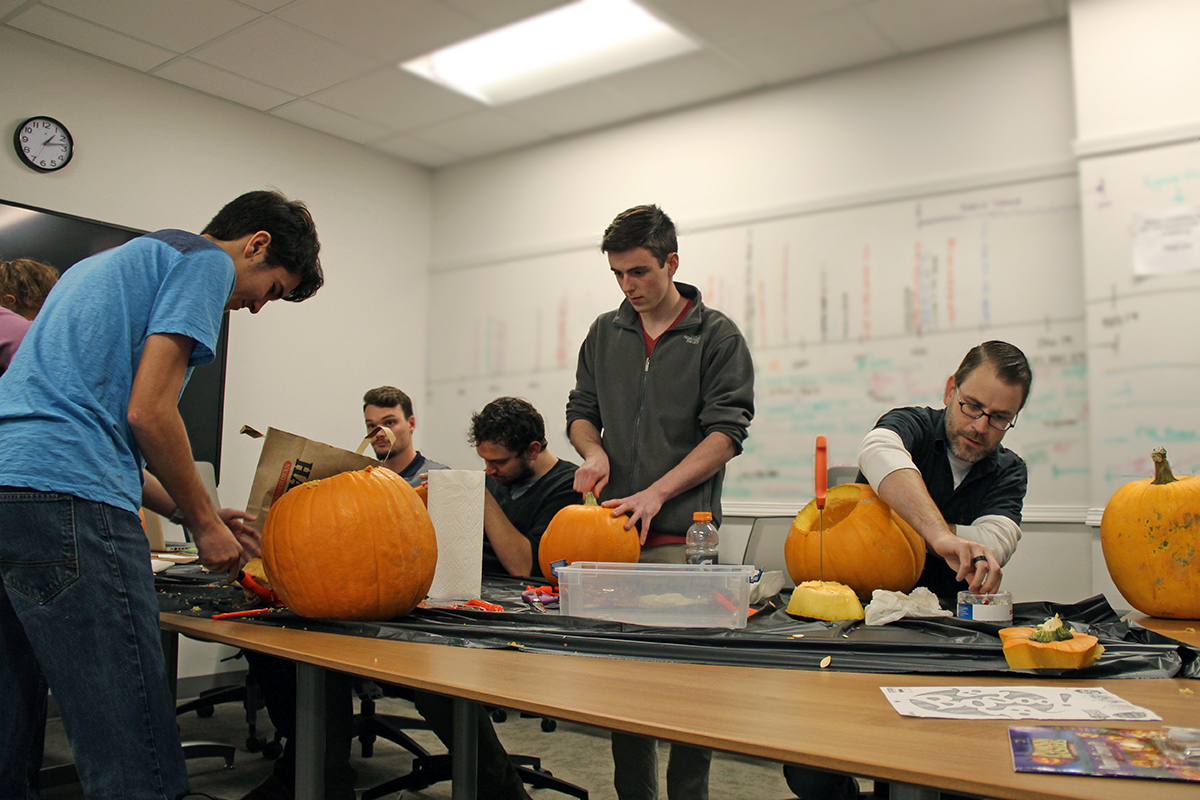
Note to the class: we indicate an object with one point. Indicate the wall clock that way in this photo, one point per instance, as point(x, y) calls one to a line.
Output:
point(44, 144)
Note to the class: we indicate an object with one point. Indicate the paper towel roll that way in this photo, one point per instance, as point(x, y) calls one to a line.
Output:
point(456, 508)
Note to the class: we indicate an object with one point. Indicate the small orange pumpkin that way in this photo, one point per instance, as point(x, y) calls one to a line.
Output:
point(866, 544)
point(587, 532)
point(359, 545)
point(1150, 534)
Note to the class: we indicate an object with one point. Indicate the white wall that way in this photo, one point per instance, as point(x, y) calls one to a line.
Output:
point(998, 106)
point(152, 155)
point(1137, 71)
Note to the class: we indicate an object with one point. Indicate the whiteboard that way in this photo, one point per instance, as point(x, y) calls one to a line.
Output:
point(848, 313)
point(1143, 331)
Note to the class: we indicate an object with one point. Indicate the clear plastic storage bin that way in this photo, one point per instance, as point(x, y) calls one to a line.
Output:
point(662, 595)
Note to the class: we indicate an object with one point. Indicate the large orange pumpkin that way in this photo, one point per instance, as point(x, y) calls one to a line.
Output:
point(587, 532)
point(866, 544)
point(358, 545)
point(1150, 533)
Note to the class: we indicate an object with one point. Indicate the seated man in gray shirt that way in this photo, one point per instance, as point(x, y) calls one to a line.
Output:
point(386, 407)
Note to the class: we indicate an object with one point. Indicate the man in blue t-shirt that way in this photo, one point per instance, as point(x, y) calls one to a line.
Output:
point(91, 399)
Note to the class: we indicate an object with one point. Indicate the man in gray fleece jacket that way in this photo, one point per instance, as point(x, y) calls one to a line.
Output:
point(664, 394)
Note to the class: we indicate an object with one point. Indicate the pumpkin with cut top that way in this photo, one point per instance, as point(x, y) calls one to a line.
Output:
point(586, 532)
point(864, 545)
point(359, 545)
point(1051, 645)
point(1150, 534)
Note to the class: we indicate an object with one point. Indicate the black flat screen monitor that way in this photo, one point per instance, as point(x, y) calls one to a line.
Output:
point(62, 240)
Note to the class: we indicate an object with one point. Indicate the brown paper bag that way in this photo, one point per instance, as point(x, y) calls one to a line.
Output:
point(288, 460)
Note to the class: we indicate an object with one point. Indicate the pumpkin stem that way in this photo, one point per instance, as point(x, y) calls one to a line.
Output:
point(590, 500)
point(1162, 470)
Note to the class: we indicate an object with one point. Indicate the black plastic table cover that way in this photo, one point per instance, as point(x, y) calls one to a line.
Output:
point(771, 637)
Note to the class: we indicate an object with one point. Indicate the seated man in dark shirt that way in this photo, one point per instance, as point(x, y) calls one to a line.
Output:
point(527, 484)
point(945, 472)
point(526, 487)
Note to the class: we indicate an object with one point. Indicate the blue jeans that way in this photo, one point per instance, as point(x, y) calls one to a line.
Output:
point(78, 607)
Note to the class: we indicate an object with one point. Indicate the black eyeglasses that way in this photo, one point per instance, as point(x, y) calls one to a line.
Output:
point(975, 412)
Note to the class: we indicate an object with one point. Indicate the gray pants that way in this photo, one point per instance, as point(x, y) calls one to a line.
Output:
point(635, 773)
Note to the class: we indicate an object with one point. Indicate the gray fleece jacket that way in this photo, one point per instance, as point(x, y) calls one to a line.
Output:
point(651, 412)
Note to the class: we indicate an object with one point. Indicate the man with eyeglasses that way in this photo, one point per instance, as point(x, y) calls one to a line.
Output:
point(945, 472)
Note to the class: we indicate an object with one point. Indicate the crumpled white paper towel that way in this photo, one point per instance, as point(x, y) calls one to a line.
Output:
point(456, 508)
point(888, 606)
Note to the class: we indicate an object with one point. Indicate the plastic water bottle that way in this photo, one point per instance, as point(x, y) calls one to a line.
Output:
point(701, 545)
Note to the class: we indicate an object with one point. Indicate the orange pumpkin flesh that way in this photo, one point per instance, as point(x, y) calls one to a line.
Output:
point(825, 600)
point(423, 493)
point(866, 544)
point(1021, 652)
point(1150, 534)
point(587, 532)
point(358, 545)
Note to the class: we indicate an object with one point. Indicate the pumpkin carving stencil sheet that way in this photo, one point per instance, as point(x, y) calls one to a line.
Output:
point(1012, 702)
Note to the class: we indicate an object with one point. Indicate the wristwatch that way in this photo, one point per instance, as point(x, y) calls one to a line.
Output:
point(176, 517)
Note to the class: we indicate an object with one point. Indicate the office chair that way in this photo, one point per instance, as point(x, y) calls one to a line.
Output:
point(430, 768)
point(250, 696)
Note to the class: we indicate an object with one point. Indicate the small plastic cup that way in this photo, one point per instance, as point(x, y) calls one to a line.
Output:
point(986, 607)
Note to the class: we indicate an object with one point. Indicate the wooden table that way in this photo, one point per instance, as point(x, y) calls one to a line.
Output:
point(830, 720)
point(1185, 630)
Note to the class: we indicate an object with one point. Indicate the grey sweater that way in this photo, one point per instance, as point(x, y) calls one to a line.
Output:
point(651, 412)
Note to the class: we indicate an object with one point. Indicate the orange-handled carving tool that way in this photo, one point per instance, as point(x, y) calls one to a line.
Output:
point(821, 479)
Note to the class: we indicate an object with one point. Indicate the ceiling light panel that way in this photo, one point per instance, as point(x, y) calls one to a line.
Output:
point(578, 42)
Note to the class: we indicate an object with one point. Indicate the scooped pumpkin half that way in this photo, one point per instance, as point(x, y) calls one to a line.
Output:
point(1051, 645)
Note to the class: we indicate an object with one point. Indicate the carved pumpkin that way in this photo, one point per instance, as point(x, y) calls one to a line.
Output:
point(587, 532)
point(866, 544)
point(358, 545)
point(1051, 645)
point(1150, 533)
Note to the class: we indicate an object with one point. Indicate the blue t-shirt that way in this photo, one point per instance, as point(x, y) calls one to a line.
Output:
point(64, 399)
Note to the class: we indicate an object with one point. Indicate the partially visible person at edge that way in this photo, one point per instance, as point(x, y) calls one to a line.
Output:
point(24, 284)
point(663, 398)
point(100, 372)
point(945, 472)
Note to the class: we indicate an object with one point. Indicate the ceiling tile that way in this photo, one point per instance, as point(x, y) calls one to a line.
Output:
point(416, 151)
point(502, 12)
point(90, 38)
point(220, 83)
point(177, 25)
point(389, 29)
point(9, 6)
point(718, 20)
point(821, 44)
point(577, 108)
point(396, 99)
point(919, 24)
point(480, 133)
point(318, 117)
point(686, 80)
point(283, 56)
point(266, 6)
